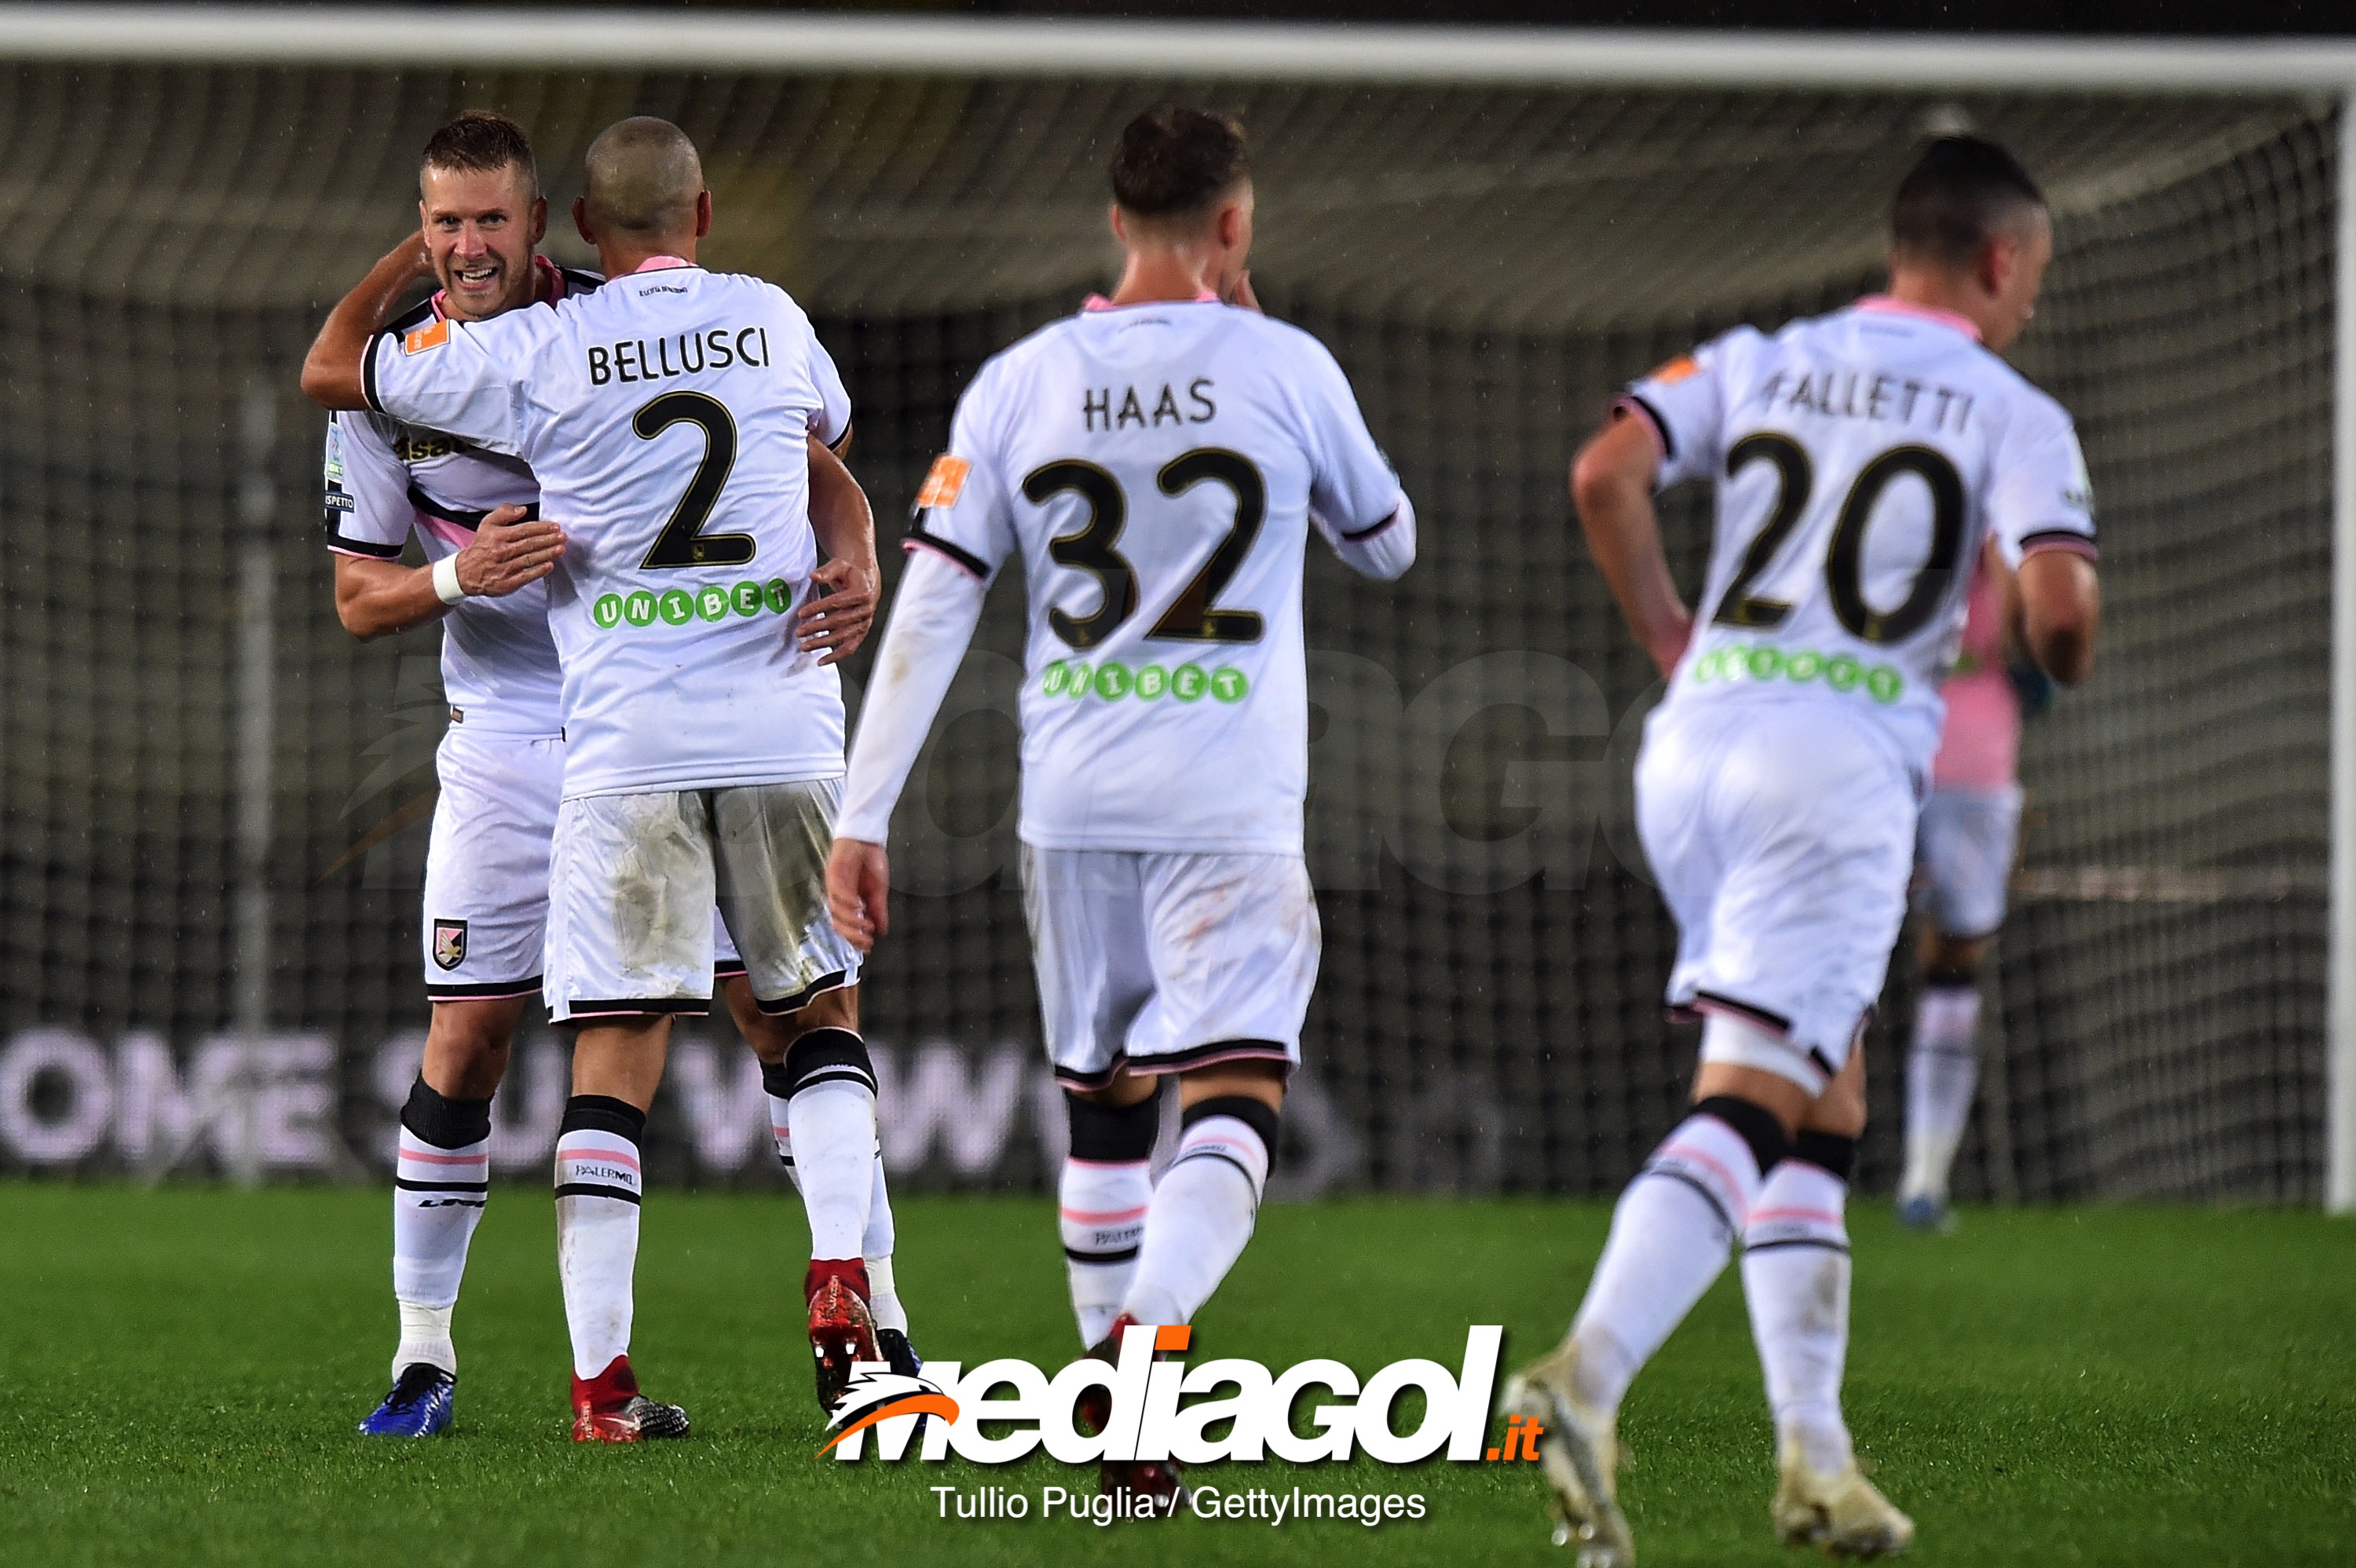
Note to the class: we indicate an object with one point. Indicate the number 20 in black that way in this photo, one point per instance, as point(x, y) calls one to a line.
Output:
point(1194, 615)
point(1844, 558)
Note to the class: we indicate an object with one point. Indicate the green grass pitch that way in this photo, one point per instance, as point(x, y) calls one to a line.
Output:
point(179, 1372)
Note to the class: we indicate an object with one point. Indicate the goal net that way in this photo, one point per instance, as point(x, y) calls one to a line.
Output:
point(1488, 264)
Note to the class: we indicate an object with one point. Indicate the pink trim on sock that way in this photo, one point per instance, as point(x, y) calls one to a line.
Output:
point(1821, 1216)
point(1733, 1187)
point(423, 1158)
point(1103, 1217)
point(1106, 1164)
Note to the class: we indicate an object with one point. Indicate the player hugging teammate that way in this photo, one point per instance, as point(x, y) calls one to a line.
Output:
point(615, 768)
point(1861, 459)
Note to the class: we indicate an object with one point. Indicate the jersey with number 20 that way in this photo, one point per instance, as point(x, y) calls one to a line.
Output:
point(1158, 467)
point(665, 418)
point(1861, 460)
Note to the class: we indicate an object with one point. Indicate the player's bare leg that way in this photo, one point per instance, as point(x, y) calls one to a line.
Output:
point(441, 1183)
point(1795, 1278)
point(1196, 1222)
point(1942, 1070)
point(821, 1090)
point(617, 1064)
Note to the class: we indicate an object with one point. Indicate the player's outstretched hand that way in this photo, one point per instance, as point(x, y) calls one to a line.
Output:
point(506, 554)
point(832, 624)
point(857, 883)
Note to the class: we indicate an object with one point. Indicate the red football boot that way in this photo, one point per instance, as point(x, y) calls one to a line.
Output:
point(1154, 1480)
point(608, 1408)
point(842, 1330)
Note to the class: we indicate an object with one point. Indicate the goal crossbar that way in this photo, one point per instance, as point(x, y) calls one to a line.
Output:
point(1488, 55)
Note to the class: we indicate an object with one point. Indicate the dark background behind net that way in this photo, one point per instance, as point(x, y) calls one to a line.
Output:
point(1488, 266)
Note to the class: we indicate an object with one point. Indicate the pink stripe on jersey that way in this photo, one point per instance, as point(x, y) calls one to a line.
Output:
point(445, 530)
point(1104, 1164)
point(1886, 304)
point(1098, 302)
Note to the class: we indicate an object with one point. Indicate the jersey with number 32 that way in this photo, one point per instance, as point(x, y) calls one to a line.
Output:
point(1158, 467)
point(1861, 459)
point(665, 417)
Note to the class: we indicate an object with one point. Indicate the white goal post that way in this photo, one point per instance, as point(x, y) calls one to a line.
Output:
point(1392, 55)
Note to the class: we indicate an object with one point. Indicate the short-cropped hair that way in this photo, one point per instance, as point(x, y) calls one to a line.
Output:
point(1961, 191)
point(482, 140)
point(1176, 162)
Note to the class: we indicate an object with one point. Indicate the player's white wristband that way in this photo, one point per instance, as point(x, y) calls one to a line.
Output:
point(445, 581)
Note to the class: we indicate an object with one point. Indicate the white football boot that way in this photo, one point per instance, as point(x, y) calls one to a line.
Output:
point(1579, 1447)
point(1842, 1514)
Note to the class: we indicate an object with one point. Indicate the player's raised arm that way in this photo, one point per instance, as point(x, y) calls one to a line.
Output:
point(834, 622)
point(1612, 485)
point(332, 370)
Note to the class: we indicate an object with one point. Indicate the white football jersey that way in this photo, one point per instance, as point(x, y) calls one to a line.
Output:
point(1157, 467)
point(1861, 460)
point(386, 480)
point(665, 418)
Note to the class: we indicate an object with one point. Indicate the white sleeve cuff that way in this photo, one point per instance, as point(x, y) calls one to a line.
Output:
point(1383, 551)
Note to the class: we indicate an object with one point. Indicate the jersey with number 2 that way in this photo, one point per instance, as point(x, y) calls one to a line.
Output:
point(1861, 459)
point(1158, 467)
point(666, 417)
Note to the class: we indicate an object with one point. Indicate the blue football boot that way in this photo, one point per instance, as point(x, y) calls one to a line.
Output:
point(418, 1406)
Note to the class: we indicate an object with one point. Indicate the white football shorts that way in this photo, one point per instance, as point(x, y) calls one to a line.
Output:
point(1783, 837)
point(486, 914)
point(1963, 849)
point(1160, 963)
point(632, 877)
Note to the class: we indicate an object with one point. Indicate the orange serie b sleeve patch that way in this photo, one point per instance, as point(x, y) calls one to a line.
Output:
point(945, 482)
point(426, 337)
point(1676, 370)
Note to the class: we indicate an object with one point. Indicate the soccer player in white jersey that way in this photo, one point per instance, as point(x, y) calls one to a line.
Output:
point(667, 418)
point(1157, 462)
point(1962, 853)
point(1861, 459)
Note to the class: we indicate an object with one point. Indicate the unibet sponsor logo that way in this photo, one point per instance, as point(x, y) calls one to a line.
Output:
point(1163, 1408)
point(678, 606)
point(1761, 662)
point(1151, 683)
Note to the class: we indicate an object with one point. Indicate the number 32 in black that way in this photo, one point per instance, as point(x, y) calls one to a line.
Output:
point(1194, 615)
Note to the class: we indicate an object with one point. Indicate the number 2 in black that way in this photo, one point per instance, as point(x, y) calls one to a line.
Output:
point(682, 541)
point(1193, 615)
point(1795, 477)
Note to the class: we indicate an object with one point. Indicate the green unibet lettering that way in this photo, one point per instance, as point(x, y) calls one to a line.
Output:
point(1842, 673)
point(677, 607)
point(1052, 678)
point(608, 611)
point(1228, 684)
point(1112, 681)
point(1885, 683)
point(711, 603)
point(1076, 681)
point(1764, 662)
point(779, 593)
point(1151, 682)
point(638, 608)
point(1187, 683)
point(1805, 664)
point(746, 598)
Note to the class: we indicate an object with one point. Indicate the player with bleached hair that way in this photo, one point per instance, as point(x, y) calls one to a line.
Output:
point(673, 420)
point(1861, 460)
point(1157, 462)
